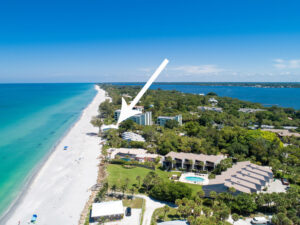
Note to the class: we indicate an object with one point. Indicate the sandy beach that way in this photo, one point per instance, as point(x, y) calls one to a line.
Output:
point(60, 189)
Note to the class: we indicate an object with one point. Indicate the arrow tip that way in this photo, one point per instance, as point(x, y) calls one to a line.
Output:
point(126, 112)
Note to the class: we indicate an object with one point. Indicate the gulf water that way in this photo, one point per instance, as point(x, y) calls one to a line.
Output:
point(284, 97)
point(33, 118)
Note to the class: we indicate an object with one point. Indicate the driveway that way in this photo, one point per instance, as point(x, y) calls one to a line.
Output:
point(134, 219)
point(150, 206)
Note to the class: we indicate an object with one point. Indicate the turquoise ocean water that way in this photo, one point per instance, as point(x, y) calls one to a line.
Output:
point(33, 118)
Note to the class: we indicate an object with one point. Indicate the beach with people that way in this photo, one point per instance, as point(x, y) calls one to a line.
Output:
point(59, 191)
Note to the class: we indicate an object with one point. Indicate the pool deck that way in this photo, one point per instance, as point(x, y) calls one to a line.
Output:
point(203, 176)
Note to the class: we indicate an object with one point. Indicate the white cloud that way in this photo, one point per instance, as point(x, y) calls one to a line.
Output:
point(287, 64)
point(197, 70)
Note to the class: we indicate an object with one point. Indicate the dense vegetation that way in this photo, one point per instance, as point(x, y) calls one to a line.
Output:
point(213, 133)
point(217, 209)
point(209, 132)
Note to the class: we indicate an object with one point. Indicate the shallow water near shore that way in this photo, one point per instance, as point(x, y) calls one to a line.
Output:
point(33, 118)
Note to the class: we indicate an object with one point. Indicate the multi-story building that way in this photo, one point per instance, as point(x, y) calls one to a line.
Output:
point(141, 118)
point(189, 161)
point(161, 120)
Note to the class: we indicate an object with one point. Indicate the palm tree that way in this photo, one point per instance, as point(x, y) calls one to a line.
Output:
point(132, 190)
point(201, 193)
point(138, 178)
point(123, 189)
point(166, 209)
point(114, 188)
point(207, 211)
point(235, 217)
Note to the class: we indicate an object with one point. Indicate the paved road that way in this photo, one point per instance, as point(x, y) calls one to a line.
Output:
point(150, 206)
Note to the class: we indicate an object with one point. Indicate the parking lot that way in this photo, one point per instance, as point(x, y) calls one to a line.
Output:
point(134, 219)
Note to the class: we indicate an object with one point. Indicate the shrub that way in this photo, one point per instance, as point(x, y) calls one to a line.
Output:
point(170, 191)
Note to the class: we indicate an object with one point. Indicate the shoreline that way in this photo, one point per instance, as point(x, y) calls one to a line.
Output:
point(37, 173)
point(33, 174)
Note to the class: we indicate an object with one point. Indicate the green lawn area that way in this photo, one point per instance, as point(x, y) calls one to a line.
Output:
point(136, 203)
point(117, 174)
point(159, 214)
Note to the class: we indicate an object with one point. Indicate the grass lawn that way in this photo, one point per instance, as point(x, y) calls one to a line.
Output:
point(136, 203)
point(117, 175)
point(159, 214)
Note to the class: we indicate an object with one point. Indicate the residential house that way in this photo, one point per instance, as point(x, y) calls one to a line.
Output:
point(135, 154)
point(213, 101)
point(250, 110)
point(243, 177)
point(206, 108)
point(112, 210)
point(283, 132)
point(130, 136)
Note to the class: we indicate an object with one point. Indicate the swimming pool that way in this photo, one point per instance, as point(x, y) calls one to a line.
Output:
point(195, 179)
point(126, 159)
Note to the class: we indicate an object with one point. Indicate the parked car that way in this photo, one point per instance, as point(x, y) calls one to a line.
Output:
point(259, 220)
point(284, 181)
point(128, 211)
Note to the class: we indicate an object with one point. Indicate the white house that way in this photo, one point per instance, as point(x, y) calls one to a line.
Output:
point(130, 136)
point(213, 101)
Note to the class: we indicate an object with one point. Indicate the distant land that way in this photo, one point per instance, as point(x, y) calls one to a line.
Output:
point(237, 84)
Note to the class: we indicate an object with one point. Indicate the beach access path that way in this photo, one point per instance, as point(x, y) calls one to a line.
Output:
point(61, 188)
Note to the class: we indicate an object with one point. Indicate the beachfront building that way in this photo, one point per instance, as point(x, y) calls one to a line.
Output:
point(134, 154)
point(207, 108)
point(243, 177)
point(250, 110)
point(130, 136)
point(161, 120)
point(141, 118)
point(112, 210)
point(190, 161)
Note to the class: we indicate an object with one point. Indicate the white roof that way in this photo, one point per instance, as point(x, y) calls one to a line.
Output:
point(244, 177)
point(132, 137)
point(130, 151)
point(107, 208)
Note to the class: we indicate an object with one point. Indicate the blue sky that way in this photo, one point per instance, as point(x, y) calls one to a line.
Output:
point(95, 40)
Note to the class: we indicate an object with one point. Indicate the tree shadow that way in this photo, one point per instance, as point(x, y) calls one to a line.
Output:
point(92, 134)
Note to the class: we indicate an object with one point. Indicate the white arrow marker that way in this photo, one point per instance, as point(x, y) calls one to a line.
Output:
point(127, 111)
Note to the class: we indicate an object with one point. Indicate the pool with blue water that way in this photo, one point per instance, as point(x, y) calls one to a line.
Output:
point(195, 179)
